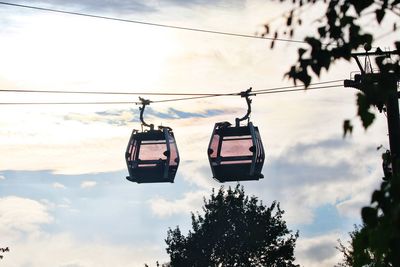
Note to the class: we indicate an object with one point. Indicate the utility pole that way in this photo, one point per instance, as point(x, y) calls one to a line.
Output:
point(387, 84)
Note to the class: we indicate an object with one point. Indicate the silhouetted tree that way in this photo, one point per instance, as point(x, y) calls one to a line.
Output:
point(364, 257)
point(235, 230)
point(339, 33)
point(377, 243)
point(159, 265)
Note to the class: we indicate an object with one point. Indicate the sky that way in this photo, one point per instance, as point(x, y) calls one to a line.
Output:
point(64, 199)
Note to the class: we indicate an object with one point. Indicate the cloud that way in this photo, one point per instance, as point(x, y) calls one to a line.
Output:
point(58, 186)
point(21, 216)
point(63, 250)
point(120, 6)
point(308, 175)
point(88, 184)
point(352, 207)
point(317, 251)
point(2, 177)
point(191, 202)
point(127, 116)
point(129, 6)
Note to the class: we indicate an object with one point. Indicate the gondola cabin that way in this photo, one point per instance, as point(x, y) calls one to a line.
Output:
point(152, 156)
point(236, 153)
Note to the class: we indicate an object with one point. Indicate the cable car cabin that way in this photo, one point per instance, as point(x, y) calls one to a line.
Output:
point(152, 156)
point(236, 153)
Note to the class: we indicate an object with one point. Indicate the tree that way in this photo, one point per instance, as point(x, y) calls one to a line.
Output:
point(235, 230)
point(354, 255)
point(158, 264)
point(377, 242)
point(339, 33)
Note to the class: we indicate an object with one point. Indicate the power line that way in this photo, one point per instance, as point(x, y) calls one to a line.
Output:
point(102, 92)
point(189, 98)
point(154, 93)
point(69, 103)
point(165, 100)
point(289, 87)
point(149, 23)
point(300, 89)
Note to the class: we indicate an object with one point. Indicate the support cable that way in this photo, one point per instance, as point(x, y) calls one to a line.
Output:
point(300, 89)
point(155, 93)
point(165, 100)
point(149, 23)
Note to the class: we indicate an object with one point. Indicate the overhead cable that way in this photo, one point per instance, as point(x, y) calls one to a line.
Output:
point(165, 100)
point(148, 23)
point(301, 89)
point(102, 92)
point(155, 93)
point(295, 86)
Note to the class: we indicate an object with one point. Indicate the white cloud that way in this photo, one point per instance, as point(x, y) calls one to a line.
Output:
point(21, 215)
point(351, 207)
point(192, 201)
point(2, 177)
point(88, 184)
point(319, 251)
point(63, 250)
point(20, 230)
point(58, 186)
point(198, 173)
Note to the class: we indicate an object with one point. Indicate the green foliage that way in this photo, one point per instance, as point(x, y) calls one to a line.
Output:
point(377, 242)
point(367, 117)
point(347, 127)
point(339, 33)
point(235, 230)
point(381, 233)
point(348, 251)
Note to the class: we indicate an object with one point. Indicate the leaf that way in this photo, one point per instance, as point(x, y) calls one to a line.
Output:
point(313, 42)
point(397, 44)
point(266, 26)
point(347, 128)
point(380, 13)
point(273, 41)
point(324, 59)
point(322, 31)
point(369, 216)
point(344, 7)
point(304, 77)
point(366, 39)
point(377, 196)
point(336, 32)
point(316, 69)
point(301, 52)
point(367, 119)
point(292, 74)
point(289, 20)
point(359, 6)
point(363, 110)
